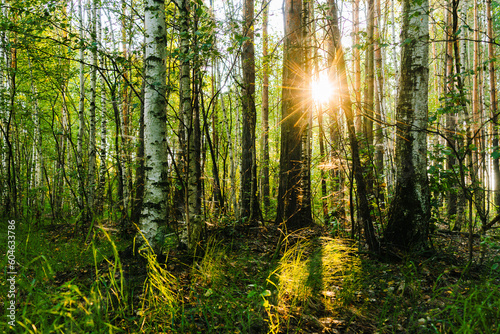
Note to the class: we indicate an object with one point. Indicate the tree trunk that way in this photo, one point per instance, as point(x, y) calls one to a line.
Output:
point(125, 137)
point(140, 172)
point(194, 187)
point(3, 113)
point(265, 111)
point(368, 105)
point(477, 114)
point(92, 119)
point(451, 116)
point(104, 128)
point(217, 190)
point(357, 66)
point(186, 110)
point(461, 111)
point(290, 210)
point(248, 198)
point(379, 109)
point(409, 211)
point(154, 211)
point(306, 120)
point(232, 168)
point(81, 124)
point(37, 177)
point(346, 105)
point(493, 104)
point(322, 153)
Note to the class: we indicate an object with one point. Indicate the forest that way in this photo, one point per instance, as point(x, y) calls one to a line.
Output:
point(249, 166)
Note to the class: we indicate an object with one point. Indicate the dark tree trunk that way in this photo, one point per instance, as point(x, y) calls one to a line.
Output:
point(249, 202)
point(346, 105)
point(139, 174)
point(290, 209)
point(265, 112)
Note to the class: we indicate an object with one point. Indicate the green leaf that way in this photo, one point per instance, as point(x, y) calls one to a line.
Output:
point(251, 294)
point(265, 293)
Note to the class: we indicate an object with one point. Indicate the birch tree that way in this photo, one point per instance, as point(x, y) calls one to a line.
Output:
point(493, 102)
point(154, 210)
point(409, 211)
point(189, 134)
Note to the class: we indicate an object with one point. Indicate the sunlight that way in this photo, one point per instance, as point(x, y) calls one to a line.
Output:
point(322, 88)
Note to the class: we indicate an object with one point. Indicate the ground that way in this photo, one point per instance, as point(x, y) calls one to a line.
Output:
point(241, 282)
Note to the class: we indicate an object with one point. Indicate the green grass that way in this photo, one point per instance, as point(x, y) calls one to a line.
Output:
point(65, 286)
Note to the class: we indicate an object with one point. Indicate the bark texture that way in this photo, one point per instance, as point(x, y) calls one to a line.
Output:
point(493, 102)
point(265, 111)
point(92, 111)
point(154, 210)
point(409, 212)
point(290, 207)
point(346, 105)
point(249, 203)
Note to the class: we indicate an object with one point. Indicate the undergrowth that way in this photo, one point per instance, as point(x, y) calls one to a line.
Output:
point(317, 284)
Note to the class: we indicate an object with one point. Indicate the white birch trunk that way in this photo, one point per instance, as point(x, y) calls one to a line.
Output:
point(410, 209)
point(154, 211)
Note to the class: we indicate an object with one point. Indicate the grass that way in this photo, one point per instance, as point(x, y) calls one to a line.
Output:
point(317, 284)
point(314, 281)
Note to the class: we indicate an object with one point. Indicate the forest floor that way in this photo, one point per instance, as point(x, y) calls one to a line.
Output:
point(240, 283)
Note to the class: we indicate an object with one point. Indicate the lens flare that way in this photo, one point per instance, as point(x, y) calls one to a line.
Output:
point(322, 89)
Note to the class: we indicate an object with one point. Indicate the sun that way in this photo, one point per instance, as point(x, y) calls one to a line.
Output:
point(322, 89)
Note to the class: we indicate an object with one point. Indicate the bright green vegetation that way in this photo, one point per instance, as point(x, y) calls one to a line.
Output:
point(238, 285)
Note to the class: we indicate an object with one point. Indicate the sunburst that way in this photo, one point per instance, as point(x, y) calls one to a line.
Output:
point(322, 89)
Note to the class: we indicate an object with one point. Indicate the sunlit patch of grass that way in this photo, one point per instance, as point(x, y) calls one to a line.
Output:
point(160, 299)
point(341, 272)
point(318, 275)
point(210, 271)
point(292, 274)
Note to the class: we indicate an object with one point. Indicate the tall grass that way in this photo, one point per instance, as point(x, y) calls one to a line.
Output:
point(47, 306)
point(469, 308)
point(311, 276)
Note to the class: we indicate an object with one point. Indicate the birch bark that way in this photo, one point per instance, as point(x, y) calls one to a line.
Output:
point(154, 210)
point(409, 211)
